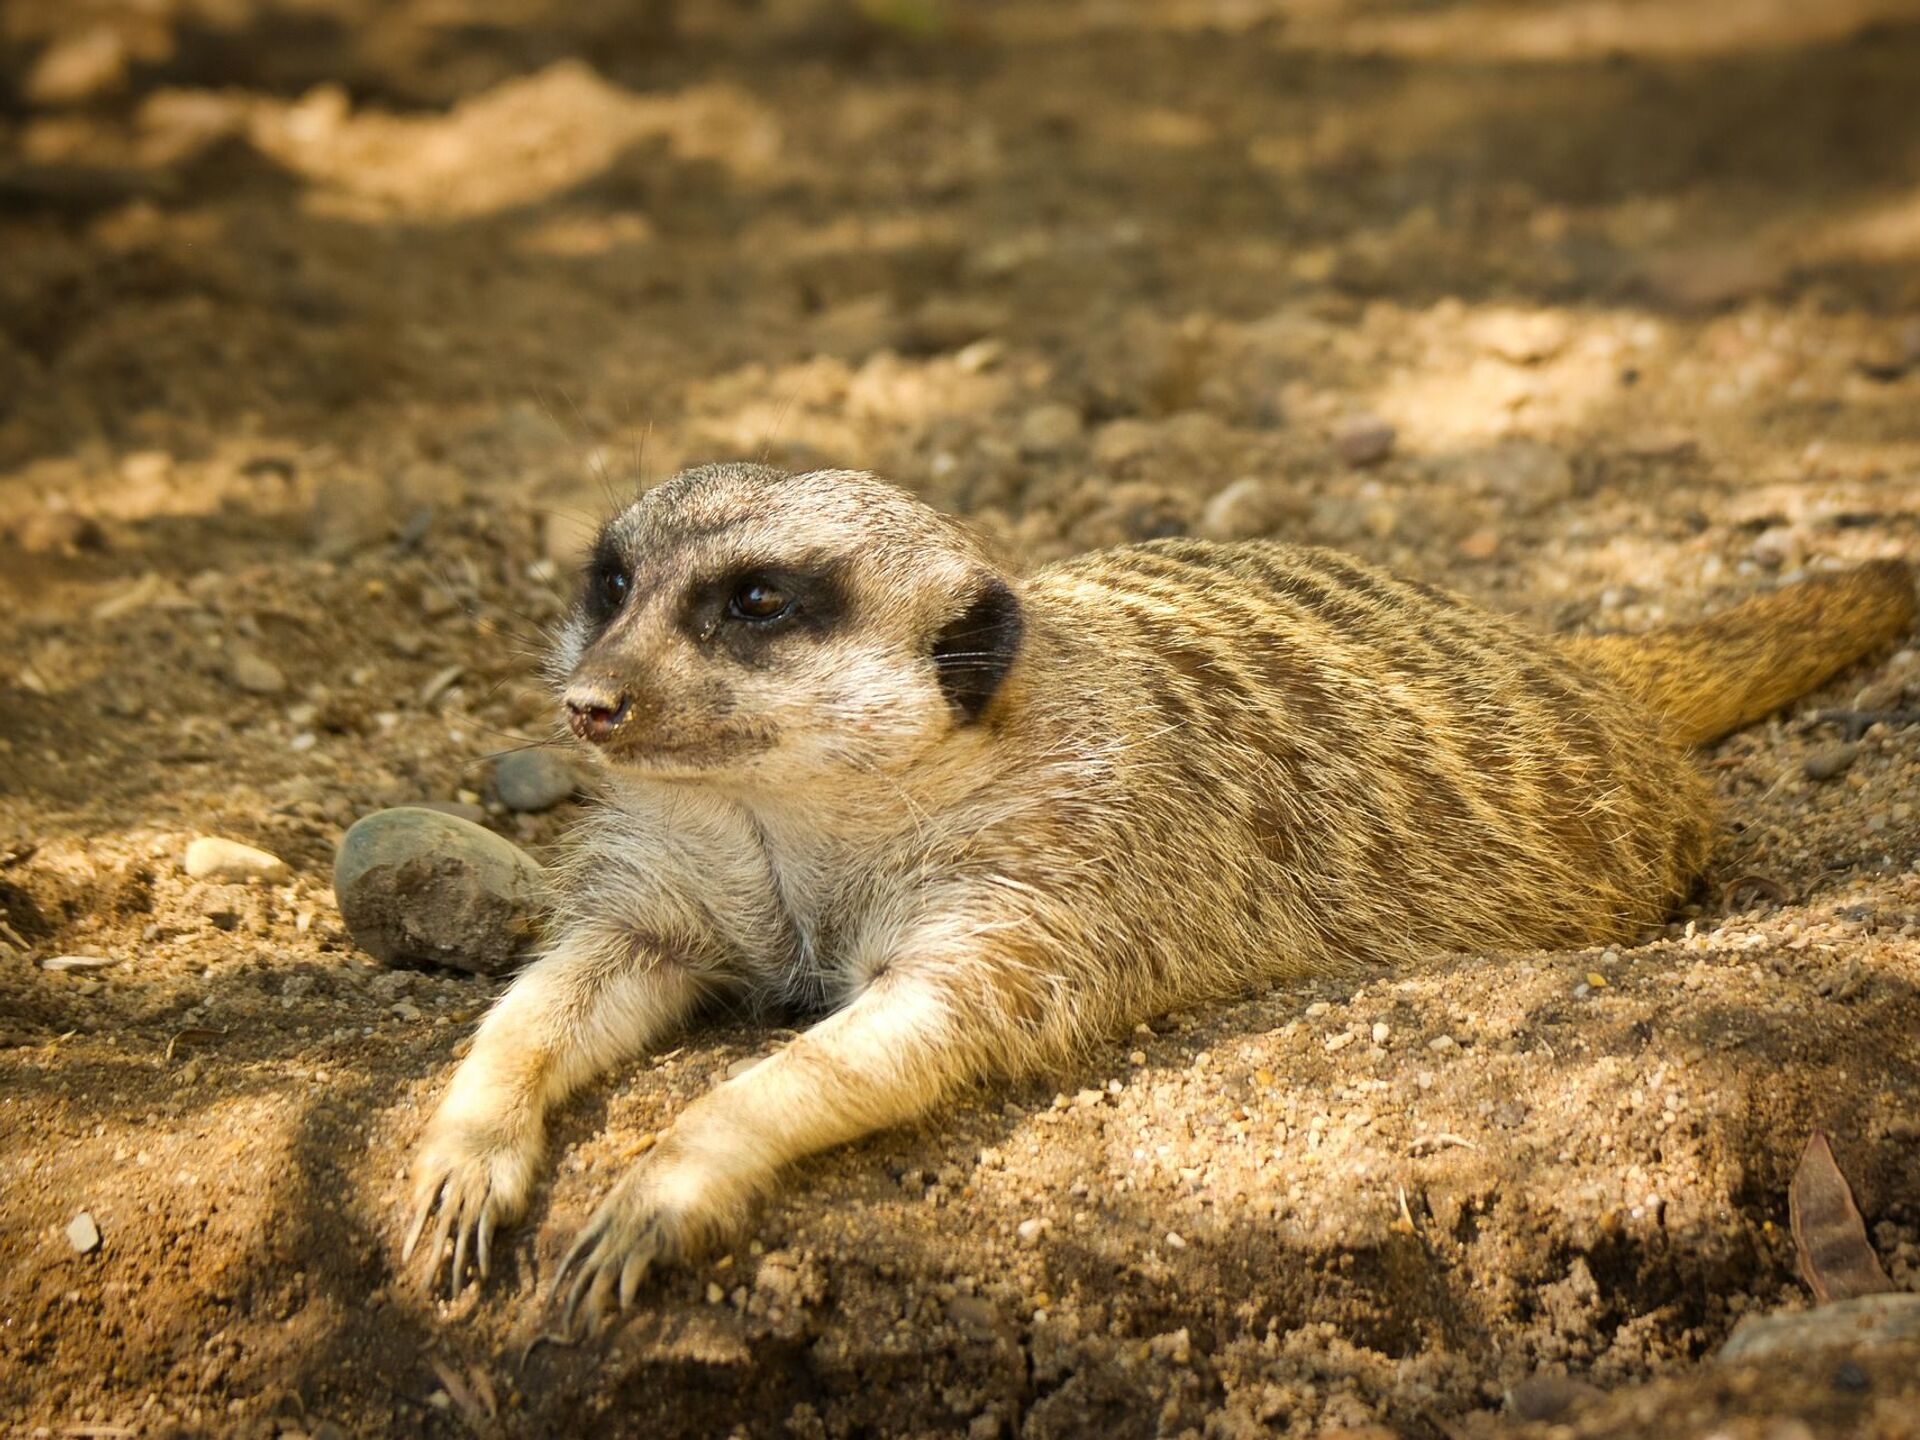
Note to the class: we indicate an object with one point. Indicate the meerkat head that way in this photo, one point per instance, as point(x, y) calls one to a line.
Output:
point(744, 626)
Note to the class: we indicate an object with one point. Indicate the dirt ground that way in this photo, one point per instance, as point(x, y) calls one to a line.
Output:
point(327, 329)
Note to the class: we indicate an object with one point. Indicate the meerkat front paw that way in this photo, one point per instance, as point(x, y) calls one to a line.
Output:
point(476, 1182)
point(664, 1211)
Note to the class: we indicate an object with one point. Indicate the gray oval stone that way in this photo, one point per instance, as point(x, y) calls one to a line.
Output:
point(419, 887)
point(529, 780)
point(1862, 1323)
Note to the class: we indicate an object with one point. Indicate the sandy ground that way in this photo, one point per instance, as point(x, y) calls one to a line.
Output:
point(326, 331)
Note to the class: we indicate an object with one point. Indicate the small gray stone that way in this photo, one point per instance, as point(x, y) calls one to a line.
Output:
point(83, 1234)
point(1364, 439)
point(228, 861)
point(1830, 761)
point(252, 672)
point(529, 780)
point(1861, 1323)
point(419, 887)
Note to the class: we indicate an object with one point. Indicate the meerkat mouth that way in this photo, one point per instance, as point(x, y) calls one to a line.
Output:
point(689, 760)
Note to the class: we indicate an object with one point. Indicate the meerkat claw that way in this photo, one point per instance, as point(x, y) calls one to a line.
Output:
point(607, 1264)
point(422, 1212)
point(631, 1275)
point(457, 1280)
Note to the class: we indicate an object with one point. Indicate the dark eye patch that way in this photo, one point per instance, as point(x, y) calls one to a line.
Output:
point(607, 584)
point(744, 608)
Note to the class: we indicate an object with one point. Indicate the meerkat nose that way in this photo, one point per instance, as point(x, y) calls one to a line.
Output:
point(595, 710)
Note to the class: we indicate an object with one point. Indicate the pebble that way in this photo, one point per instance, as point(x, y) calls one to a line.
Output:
point(1830, 762)
point(83, 1234)
point(1364, 439)
point(530, 780)
point(1864, 1322)
point(252, 672)
point(1779, 547)
point(417, 886)
point(981, 355)
point(439, 683)
point(1249, 507)
point(77, 962)
point(1381, 1032)
point(1049, 429)
point(211, 858)
point(1884, 694)
point(1031, 1232)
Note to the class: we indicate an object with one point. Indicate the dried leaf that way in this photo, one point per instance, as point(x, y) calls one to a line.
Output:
point(1829, 1236)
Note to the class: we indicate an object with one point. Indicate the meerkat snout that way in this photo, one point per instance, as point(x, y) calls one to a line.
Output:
point(595, 709)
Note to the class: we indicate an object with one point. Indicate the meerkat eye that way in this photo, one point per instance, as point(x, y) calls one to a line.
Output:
point(612, 586)
point(759, 600)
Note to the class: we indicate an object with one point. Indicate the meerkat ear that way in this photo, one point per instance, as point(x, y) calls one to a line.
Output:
point(974, 650)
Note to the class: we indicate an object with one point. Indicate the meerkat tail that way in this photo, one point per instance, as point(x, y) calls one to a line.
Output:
point(1708, 679)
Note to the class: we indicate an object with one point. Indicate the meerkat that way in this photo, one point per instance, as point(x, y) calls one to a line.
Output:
point(981, 822)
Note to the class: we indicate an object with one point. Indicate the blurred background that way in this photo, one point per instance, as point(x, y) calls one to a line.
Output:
point(330, 328)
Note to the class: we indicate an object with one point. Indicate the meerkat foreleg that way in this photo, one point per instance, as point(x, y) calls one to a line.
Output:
point(903, 1044)
point(600, 996)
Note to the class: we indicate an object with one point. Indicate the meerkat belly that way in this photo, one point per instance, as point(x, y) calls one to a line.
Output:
point(1353, 764)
